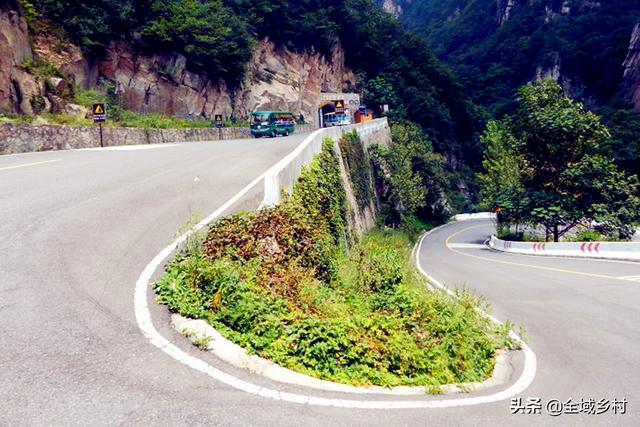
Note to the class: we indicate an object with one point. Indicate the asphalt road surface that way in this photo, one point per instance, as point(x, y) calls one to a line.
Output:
point(78, 227)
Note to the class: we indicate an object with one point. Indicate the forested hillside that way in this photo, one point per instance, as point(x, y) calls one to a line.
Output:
point(495, 46)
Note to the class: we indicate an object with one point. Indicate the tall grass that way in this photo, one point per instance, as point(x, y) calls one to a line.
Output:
point(281, 283)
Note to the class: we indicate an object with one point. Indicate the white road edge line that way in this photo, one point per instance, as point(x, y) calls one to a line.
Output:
point(143, 319)
point(530, 362)
point(132, 147)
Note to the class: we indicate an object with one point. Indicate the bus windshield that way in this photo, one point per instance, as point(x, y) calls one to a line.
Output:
point(260, 118)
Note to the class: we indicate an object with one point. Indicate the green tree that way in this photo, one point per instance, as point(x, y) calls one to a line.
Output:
point(503, 189)
point(379, 91)
point(414, 181)
point(92, 24)
point(606, 195)
point(564, 177)
point(208, 33)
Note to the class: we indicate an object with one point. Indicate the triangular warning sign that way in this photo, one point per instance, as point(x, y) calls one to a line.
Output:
point(98, 109)
point(339, 104)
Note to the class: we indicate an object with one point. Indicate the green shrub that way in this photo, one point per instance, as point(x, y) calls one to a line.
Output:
point(17, 119)
point(40, 68)
point(381, 269)
point(357, 164)
point(88, 97)
point(319, 194)
point(414, 226)
point(587, 236)
point(281, 283)
point(37, 102)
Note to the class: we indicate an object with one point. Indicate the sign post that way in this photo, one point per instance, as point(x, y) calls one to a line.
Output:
point(219, 124)
point(100, 116)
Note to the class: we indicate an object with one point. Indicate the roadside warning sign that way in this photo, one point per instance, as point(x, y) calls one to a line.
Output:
point(218, 120)
point(339, 103)
point(99, 112)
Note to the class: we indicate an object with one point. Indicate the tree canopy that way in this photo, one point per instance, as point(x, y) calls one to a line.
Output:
point(547, 164)
point(583, 47)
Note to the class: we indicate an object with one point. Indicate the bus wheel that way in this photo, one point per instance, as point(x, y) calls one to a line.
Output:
point(286, 133)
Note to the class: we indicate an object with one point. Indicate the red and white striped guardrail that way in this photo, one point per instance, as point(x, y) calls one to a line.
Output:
point(605, 250)
point(590, 247)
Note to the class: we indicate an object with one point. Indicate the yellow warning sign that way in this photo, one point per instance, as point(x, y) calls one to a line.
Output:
point(339, 104)
point(99, 112)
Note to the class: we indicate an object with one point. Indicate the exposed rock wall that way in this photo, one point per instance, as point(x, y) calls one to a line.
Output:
point(361, 219)
point(276, 79)
point(632, 68)
point(504, 8)
point(16, 86)
point(280, 79)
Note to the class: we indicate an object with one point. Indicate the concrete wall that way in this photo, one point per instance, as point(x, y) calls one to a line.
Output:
point(284, 175)
point(17, 138)
point(473, 216)
point(267, 189)
point(605, 250)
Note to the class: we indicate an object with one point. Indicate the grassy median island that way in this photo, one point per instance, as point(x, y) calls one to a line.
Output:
point(286, 283)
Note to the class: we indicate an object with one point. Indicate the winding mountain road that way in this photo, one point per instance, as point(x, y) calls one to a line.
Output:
point(78, 227)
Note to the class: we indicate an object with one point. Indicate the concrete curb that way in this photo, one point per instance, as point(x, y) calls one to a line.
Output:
point(622, 251)
point(199, 331)
point(530, 362)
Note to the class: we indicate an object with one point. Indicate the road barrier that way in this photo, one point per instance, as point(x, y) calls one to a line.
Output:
point(285, 173)
point(473, 216)
point(604, 250)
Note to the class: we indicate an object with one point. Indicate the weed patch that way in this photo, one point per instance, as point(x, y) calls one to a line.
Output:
point(281, 284)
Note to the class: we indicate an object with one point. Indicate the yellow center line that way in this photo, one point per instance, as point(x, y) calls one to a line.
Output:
point(518, 264)
point(25, 165)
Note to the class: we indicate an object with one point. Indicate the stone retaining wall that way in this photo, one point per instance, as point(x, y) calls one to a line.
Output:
point(19, 138)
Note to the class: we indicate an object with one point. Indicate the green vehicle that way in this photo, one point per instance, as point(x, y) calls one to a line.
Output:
point(272, 123)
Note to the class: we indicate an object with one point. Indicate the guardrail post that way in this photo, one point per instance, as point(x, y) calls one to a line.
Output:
point(271, 191)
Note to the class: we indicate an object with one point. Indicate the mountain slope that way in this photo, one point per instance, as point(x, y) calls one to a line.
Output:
point(497, 45)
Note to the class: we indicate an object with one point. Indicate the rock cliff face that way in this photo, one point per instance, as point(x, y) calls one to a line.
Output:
point(392, 7)
point(276, 78)
point(16, 86)
point(504, 8)
point(632, 68)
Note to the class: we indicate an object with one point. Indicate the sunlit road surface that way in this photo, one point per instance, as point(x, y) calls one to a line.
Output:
point(78, 227)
